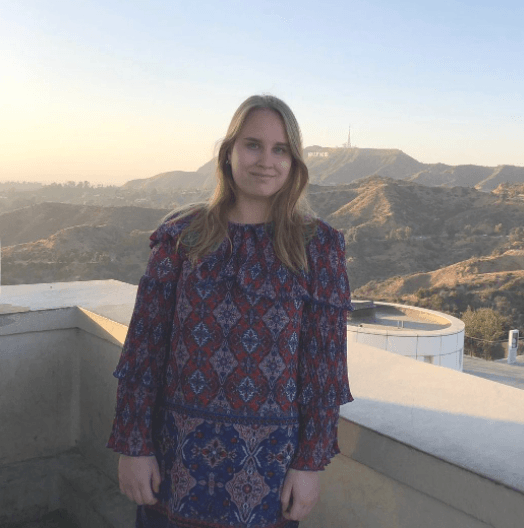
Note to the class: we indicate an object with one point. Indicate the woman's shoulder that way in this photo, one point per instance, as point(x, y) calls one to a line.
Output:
point(320, 233)
point(175, 222)
point(327, 280)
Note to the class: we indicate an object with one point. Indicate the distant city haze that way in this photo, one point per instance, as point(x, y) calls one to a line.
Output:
point(109, 92)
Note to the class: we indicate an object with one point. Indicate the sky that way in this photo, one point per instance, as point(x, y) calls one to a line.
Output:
point(110, 91)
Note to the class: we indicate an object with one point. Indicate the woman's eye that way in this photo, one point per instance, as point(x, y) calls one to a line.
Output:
point(252, 145)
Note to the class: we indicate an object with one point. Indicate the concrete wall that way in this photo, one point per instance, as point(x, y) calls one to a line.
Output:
point(57, 386)
point(421, 446)
point(356, 496)
point(39, 393)
point(58, 395)
point(97, 400)
point(377, 482)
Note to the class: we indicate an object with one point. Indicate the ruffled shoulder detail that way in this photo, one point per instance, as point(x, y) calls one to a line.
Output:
point(327, 280)
point(172, 226)
point(247, 257)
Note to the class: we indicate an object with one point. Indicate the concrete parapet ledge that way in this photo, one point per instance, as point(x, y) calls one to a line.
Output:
point(111, 299)
point(421, 445)
point(447, 434)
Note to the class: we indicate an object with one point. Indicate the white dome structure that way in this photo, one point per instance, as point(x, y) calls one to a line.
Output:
point(418, 333)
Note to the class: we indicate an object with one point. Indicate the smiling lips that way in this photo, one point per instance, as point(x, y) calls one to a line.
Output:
point(262, 175)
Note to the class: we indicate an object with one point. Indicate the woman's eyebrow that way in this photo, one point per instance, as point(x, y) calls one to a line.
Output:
point(260, 141)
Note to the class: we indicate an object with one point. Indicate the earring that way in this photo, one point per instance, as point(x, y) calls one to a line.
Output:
point(227, 162)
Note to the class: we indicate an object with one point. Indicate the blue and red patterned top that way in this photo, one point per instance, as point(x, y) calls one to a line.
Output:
point(233, 371)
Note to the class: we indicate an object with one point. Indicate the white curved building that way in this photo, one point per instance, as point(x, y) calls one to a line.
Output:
point(418, 333)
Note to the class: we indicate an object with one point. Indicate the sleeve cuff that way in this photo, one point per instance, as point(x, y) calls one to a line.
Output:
point(317, 439)
point(132, 426)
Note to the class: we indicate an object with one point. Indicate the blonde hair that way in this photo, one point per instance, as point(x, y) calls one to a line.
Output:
point(290, 213)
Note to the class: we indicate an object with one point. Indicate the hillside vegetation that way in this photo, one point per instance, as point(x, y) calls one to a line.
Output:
point(445, 248)
point(495, 282)
point(395, 228)
point(43, 220)
point(391, 227)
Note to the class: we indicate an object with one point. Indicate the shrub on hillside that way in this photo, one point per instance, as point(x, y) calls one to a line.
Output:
point(516, 234)
point(486, 329)
point(421, 293)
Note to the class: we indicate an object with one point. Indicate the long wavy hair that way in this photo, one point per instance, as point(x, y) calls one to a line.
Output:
point(290, 215)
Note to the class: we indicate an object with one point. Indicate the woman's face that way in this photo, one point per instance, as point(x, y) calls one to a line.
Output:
point(260, 158)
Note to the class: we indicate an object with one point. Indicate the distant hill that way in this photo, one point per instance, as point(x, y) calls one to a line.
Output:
point(40, 221)
point(54, 242)
point(82, 252)
point(508, 190)
point(445, 248)
point(378, 205)
point(344, 165)
point(168, 181)
point(495, 281)
point(494, 269)
point(20, 186)
point(396, 227)
point(202, 178)
point(338, 166)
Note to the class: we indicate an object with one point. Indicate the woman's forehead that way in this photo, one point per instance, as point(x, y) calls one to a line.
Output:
point(265, 123)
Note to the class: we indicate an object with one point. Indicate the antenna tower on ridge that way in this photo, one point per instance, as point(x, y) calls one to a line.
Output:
point(349, 137)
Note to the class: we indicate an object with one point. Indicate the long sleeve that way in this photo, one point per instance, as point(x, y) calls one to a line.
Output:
point(323, 376)
point(141, 365)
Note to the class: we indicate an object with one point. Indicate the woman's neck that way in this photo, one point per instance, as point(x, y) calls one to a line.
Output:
point(249, 213)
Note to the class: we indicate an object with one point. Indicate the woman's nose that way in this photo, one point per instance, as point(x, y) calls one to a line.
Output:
point(265, 158)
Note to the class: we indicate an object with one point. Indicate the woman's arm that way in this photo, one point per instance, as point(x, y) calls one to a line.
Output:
point(322, 372)
point(140, 370)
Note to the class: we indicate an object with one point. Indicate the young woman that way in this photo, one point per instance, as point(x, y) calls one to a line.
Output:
point(234, 365)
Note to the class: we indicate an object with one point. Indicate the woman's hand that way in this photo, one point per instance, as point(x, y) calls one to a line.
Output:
point(299, 494)
point(138, 478)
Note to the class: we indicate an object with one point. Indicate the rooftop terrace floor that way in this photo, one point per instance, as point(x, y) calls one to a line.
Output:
point(55, 519)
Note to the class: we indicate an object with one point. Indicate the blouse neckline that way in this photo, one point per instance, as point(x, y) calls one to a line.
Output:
point(237, 224)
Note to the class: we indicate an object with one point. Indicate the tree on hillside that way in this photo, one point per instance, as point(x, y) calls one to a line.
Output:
point(516, 234)
point(401, 233)
point(451, 230)
point(485, 329)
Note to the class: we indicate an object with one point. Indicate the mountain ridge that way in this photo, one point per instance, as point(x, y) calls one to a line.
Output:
point(391, 227)
point(346, 165)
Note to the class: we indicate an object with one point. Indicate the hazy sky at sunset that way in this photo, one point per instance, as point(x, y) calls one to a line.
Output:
point(109, 91)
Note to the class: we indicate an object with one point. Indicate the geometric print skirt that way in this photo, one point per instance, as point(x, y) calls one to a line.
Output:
point(220, 471)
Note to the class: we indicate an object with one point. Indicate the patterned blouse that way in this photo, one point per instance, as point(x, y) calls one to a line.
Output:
point(233, 371)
